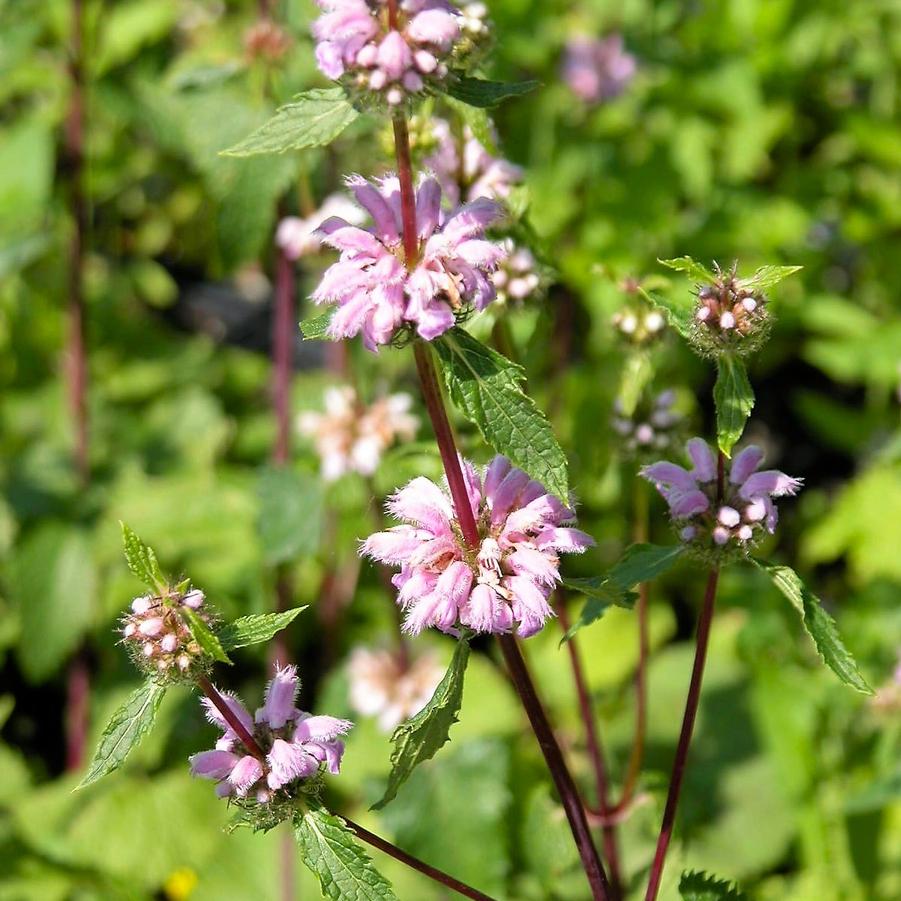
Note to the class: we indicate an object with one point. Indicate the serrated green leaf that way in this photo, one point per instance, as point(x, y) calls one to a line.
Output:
point(486, 387)
point(314, 119)
point(767, 277)
point(640, 563)
point(203, 635)
point(142, 560)
point(423, 735)
point(679, 313)
point(255, 628)
point(691, 268)
point(696, 886)
point(483, 94)
point(819, 624)
point(291, 510)
point(316, 327)
point(330, 850)
point(127, 726)
point(734, 400)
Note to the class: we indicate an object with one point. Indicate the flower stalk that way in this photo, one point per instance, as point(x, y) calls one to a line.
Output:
point(434, 401)
point(234, 723)
point(414, 862)
point(691, 710)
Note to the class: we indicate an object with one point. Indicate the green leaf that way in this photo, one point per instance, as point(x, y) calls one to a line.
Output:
point(331, 851)
point(123, 733)
point(692, 269)
point(479, 123)
point(486, 387)
point(819, 625)
point(142, 560)
point(734, 400)
point(316, 327)
point(204, 636)
point(481, 93)
point(255, 628)
point(290, 519)
point(600, 594)
point(640, 563)
point(768, 277)
point(636, 376)
point(54, 582)
point(695, 886)
point(679, 313)
point(423, 735)
point(314, 119)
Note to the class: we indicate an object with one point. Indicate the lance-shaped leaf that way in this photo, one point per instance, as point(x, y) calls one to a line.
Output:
point(330, 850)
point(204, 636)
point(694, 270)
point(819, 624)
point(486, 386)
point(640, 563)
point(142, 560)
point(316, 327)
point(767, 277)
point(255, 628)
point(314, 119)
point(679, 311)
point(734, 400)
point(123, 733)
point(423, 735)
point(483, 94)
point(695, 886)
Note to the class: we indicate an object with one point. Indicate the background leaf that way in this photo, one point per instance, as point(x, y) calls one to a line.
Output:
point(695, 271)
point(695, 886)
point(767, 277)
point(290, 519)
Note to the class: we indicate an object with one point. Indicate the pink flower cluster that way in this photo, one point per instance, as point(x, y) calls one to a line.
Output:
point(466, 170)
point(157, 637)
point(378, 294)
point(296, 745)
point(357, 41)
point(597, 69)
point(730, 315)
point(745, 506)
point(505, 582)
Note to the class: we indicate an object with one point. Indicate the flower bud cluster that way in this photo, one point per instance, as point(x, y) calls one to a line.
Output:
point(517, 276)
point(389, 688)
point(266, 41)
point(158, 638)
point(639, 324)
point(390, 54)
point(654, 425)
point(730, 316)
point(721, 517)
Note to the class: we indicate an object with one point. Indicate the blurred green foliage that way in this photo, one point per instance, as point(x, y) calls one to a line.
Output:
point(763, 130)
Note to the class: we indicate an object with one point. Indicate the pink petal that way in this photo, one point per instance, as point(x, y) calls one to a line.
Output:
point(670, 475)
point(213, 764)
point(434, 26)
point(769, 482)
point(745, 463)
point(321, 728)
point(281, 694)
point(395, 545)
point(428, 207)
point(688, 503)
point(703, 458)
point(247, 771)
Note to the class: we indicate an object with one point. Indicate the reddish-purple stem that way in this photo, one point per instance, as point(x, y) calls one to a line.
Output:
point(444, 437)
point(414, 862)
point(688, 720)
point(235, 724)
point(595, 750)
point(76, 363)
